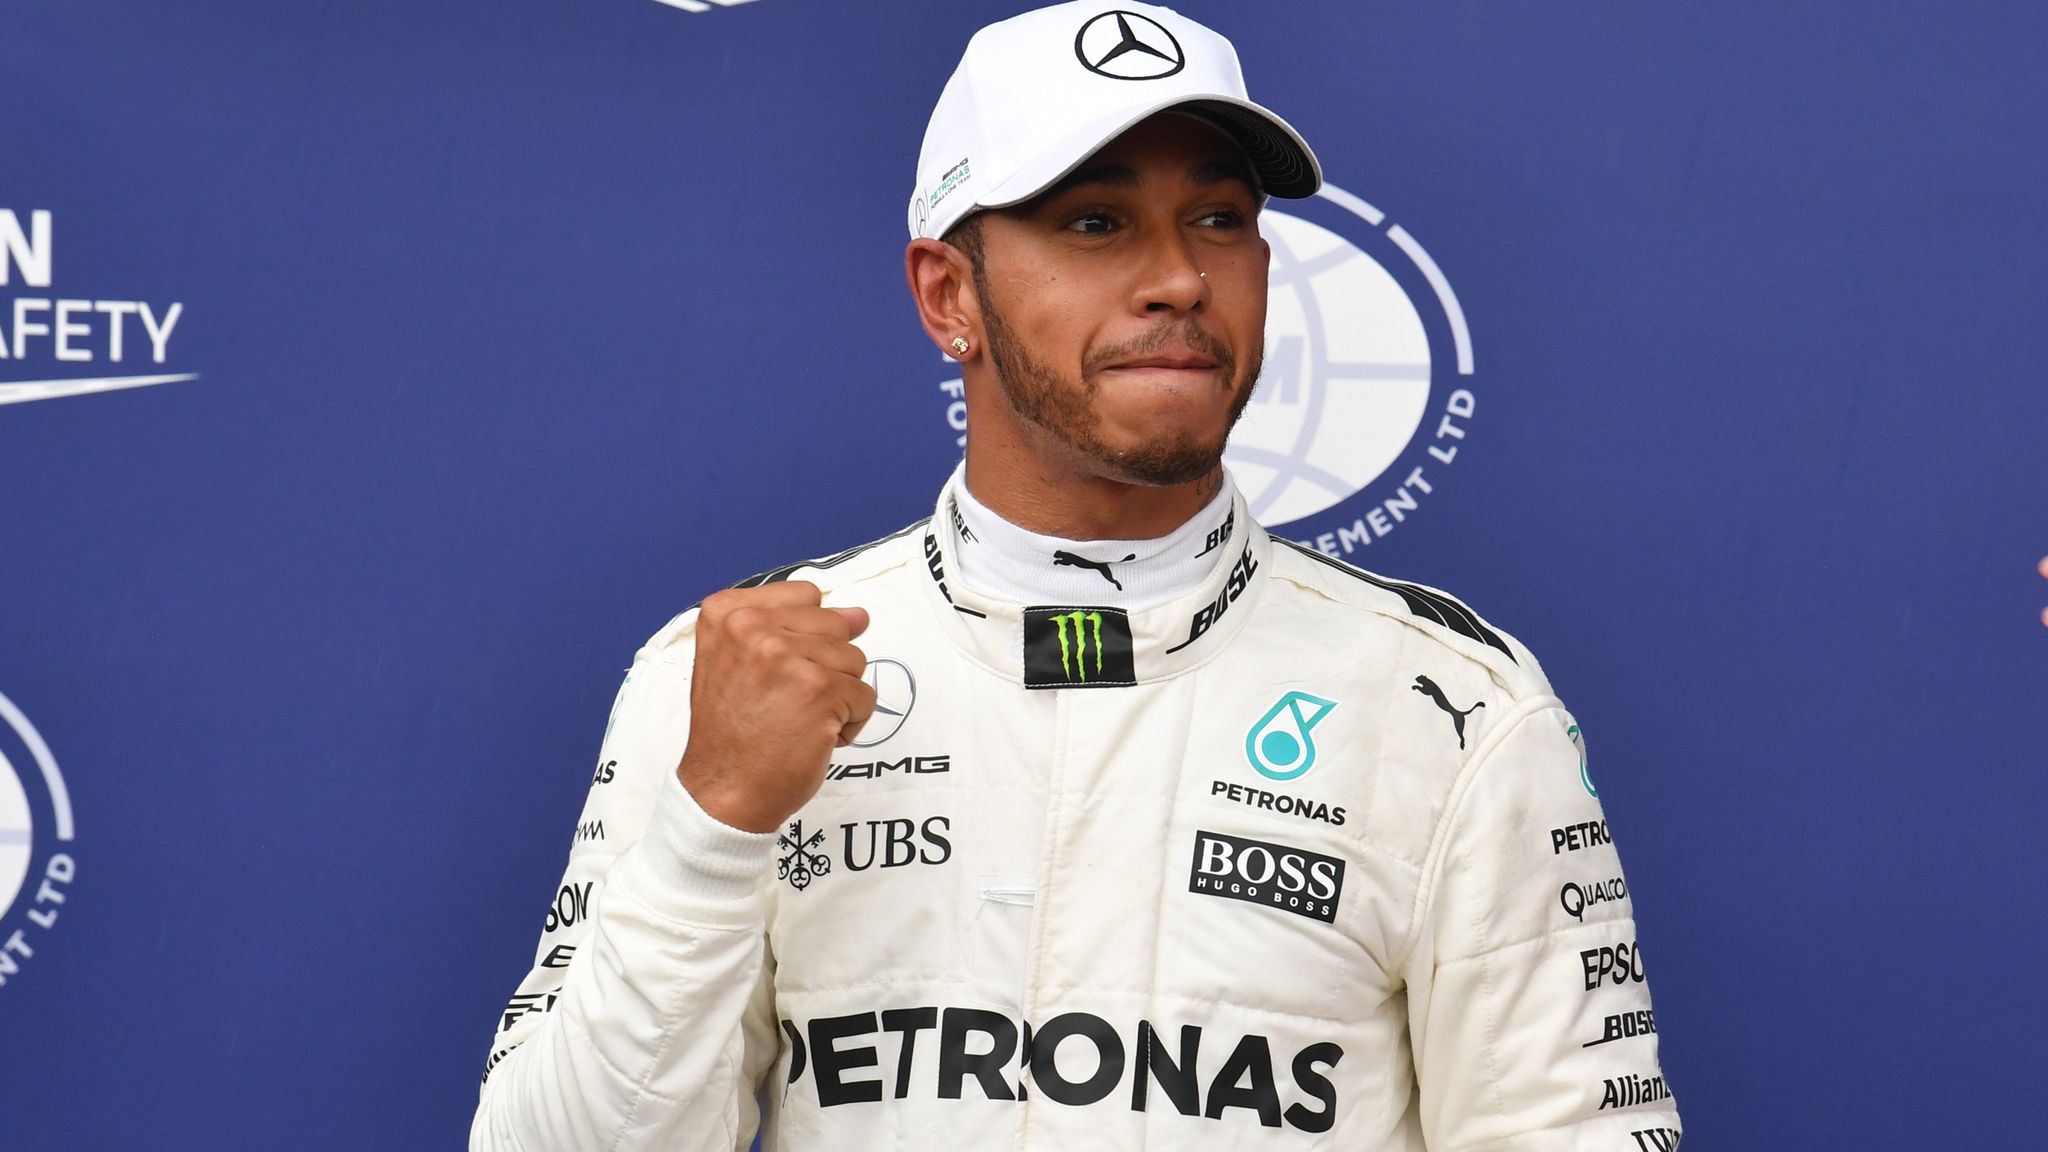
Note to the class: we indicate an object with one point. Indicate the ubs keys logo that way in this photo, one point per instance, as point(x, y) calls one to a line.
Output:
point(892, 843)
point(36, 831)
point(1281, 745)
point(802, 862)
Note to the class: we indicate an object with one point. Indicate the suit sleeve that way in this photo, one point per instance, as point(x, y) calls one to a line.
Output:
point(646, 1020)
point(1529, 1017)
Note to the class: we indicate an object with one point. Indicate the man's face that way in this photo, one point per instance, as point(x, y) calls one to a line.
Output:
point(1125, 308)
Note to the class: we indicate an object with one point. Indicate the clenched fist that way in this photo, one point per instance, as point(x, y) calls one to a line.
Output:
point(777, 687)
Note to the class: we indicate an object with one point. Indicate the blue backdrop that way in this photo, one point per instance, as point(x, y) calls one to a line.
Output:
point(484, 337)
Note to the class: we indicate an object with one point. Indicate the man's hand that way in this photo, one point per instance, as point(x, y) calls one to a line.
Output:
point(777, 687)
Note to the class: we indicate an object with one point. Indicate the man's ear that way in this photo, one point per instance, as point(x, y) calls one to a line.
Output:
point(942, 286)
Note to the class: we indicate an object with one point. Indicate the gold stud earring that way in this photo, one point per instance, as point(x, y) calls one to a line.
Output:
point(959, 346)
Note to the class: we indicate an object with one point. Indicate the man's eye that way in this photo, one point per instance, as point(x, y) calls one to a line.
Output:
point(1222, 218)
point(1094, 223)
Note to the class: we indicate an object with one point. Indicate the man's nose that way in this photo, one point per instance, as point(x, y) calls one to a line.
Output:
point(1173, 281)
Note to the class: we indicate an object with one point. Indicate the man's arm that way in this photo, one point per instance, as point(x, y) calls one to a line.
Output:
point(1528, 1011)
point(648, 1019)
point(645, 1021)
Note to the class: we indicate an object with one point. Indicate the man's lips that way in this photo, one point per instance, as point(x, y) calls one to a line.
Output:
point(1184, 363)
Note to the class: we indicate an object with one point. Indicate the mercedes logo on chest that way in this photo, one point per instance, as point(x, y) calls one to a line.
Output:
point(895, 692)
point(1128, 46)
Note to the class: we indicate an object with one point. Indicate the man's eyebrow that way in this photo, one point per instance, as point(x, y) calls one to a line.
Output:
point(1114, 175)
point(1223, 171)
point(1123, 176)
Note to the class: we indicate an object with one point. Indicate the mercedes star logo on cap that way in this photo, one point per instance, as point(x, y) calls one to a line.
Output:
point(1127, 46)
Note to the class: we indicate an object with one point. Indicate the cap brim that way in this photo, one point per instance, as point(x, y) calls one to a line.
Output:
point(1286, 167)
point(1280, 158)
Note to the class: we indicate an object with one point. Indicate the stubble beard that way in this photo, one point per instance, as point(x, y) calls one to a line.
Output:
point(1065, 409)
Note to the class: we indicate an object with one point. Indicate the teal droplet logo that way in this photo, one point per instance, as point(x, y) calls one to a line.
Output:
point(1280, 746)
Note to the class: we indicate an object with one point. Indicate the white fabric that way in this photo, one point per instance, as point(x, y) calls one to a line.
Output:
point(1014, 563)
point(1135, 877)
point(1025, 106)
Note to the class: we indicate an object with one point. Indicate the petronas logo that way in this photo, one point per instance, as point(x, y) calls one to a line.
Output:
point(1085, 626)
point(1585, 777)
point(1281, 745)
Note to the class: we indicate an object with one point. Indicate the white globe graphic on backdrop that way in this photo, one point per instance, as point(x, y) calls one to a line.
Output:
point(1346, 377)
point(28, 886)
point(17, 834)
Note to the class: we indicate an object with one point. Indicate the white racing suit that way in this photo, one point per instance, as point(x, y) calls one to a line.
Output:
point(1306, 859)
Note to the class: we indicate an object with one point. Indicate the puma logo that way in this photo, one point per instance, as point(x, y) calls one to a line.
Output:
point(1427, 687)
point(1069, 560)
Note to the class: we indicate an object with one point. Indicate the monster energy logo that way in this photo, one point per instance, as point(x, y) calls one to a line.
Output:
point(1078, 670)
point(1077, 648)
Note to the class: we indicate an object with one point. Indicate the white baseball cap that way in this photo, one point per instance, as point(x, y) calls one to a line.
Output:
point(1037, 94)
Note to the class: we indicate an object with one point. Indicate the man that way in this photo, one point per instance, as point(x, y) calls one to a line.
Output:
point(1124, 825)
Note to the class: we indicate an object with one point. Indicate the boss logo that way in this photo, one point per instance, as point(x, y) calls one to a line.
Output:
point(1290, 879)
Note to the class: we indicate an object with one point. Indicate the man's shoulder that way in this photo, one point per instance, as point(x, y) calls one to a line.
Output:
point(1423, 613)
point(831, 573)
point(841, 569)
